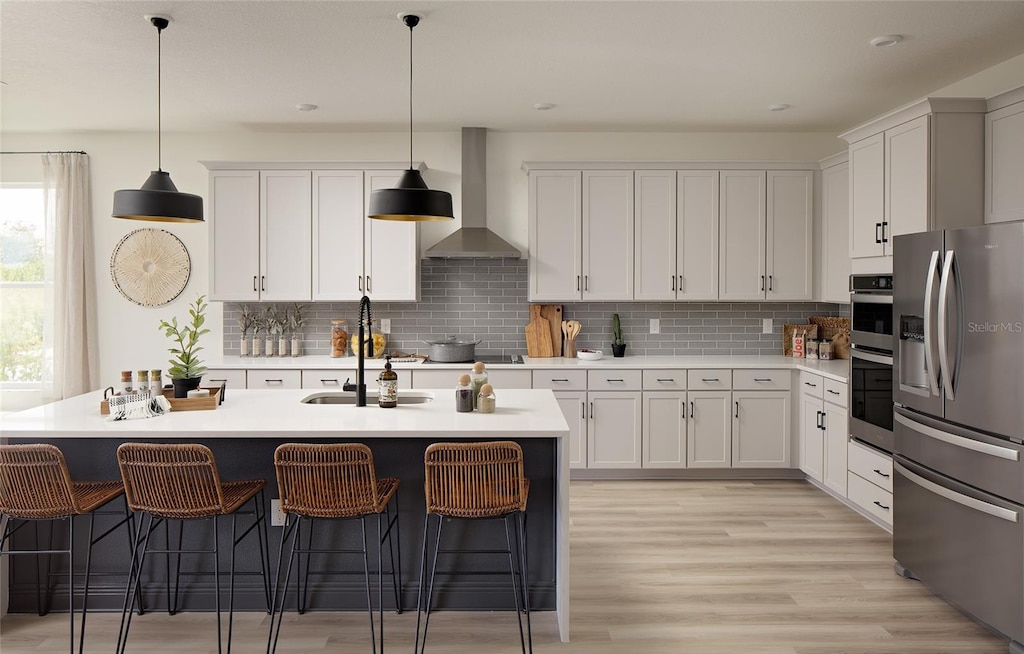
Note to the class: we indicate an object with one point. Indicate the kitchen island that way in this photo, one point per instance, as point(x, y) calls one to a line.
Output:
point(243, 433)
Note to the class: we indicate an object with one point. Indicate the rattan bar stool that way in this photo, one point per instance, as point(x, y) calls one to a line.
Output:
point(35, 485)
point(180, 482)
point(335, 481)
point(477, 481)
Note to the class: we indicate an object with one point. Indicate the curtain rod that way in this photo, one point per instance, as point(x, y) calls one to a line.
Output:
point(47, 152)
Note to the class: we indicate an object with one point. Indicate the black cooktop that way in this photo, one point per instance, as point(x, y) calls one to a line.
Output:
point(488, 358)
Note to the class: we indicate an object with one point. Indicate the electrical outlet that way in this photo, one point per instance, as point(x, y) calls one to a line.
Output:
point(277, 516)
point(385, 325)
point(766, 326)
point(655, 326)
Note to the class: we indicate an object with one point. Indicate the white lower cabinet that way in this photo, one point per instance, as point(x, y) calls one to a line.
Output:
point(218, 376)
point(664, 430)
point(709, 429)
point(760, 429)
point(869, 482)
point(333, 379)
point(824, 431)
point(270, 378)
point(574, 408)
point(837, 428)
point(447, 378)
point(613, 432)
point(812, 438)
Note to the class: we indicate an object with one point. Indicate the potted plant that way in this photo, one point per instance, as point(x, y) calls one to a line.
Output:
point(296, 321)
point(257, 340)
point(246, 319)
point(269, 330)
point(281, 329)
point(186, 369)
point(618, 345)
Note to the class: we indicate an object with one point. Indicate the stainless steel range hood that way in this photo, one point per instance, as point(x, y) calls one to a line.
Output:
point(473, 240)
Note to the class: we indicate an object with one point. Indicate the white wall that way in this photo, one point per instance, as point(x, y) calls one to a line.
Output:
point(992, 81)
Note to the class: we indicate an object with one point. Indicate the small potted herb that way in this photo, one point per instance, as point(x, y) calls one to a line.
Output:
point(186, 369)
point(296, 321)
point(246, 320)
point(618, 345)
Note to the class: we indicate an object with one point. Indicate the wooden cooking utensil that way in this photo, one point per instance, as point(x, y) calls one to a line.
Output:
point(538, 334)
point(553, 314)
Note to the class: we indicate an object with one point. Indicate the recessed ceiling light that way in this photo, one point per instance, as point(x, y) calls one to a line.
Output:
point(544, 106)
point(886, 41)
point(778, 107)
point(306, 107)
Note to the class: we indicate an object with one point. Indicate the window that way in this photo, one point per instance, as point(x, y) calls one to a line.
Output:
point(22, 275)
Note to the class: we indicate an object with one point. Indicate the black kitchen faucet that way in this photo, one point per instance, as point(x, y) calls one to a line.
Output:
point(365, 318)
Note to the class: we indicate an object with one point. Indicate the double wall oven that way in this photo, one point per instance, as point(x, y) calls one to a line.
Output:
point(871, 361)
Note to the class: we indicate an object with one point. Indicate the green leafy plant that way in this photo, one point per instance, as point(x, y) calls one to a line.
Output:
point(185, 364)
point(296, 321)
point(246, 319)
point(616, 331)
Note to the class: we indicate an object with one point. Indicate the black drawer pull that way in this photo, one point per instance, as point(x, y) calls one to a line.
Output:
point(566, 381)
point(219, 380)
point(879, 472)
point(810, 384)
point(881, 505)
point(713, 379)
point(833, 392)
point(670, 379)
point(762, 379)
point(274, 381)
point(327, 381)
point(621, 381)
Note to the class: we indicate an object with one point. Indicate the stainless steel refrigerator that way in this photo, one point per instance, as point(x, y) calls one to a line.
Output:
point(958, 491)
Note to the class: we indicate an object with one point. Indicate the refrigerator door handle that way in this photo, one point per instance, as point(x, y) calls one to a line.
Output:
point(946, 371)
point(957, 441)
point(930, 357)
point(959, 498)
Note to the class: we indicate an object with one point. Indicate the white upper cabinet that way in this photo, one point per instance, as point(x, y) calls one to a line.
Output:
point(789, 231)
point(556, 224)
point(608, 234)
point(906, 180)
point(1004, 160)
point(391, 257)
point(742, 226)
point(655, 235)
point(286, 232)
point(867, 197)
point(337, 235)
point(697, 235)
point(834, 274)
point(234, 218)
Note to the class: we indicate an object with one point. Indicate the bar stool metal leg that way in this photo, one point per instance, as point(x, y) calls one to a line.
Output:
point(525, 576)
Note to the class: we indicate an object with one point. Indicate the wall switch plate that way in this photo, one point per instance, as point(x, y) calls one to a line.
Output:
point(766, 325)
point(385, 325)
point(277, 516)
point(655, 326)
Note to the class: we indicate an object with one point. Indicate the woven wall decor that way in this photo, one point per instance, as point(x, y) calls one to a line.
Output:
point(150, 267)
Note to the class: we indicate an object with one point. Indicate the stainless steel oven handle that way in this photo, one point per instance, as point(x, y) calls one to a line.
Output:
point(857, 297)
point(929, 358)
point(958, 441)
point(868, 356)
point(946, 371)
point(959, 498)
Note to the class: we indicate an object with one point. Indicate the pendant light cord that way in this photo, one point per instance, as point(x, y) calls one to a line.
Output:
point(159, 86)
point(410, 94)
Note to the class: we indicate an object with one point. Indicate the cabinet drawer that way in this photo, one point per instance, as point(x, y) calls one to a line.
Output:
point(835, 392)
point(503, 378)
point(664, 380)
point(334, 378)
point(216, 377)
point(274, 379)
point(762, 380)
point(613, 380)
point(560, 380)
point(871, 498)
point(709, 380)
point(871, 465)
point(811, 384)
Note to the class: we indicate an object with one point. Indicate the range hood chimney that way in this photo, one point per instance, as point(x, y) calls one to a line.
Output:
point(473, 240)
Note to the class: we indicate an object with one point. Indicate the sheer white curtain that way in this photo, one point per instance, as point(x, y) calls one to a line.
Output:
point(70, 338)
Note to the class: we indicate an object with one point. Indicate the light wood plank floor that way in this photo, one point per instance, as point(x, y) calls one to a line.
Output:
point(658, 567)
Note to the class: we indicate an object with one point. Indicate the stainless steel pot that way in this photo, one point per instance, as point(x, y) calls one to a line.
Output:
point(452, 350)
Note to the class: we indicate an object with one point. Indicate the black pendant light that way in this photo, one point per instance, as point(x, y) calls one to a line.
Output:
point(158, 199)
point(411, 200)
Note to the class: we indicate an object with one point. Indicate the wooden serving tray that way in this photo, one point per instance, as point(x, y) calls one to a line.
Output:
point(182, 403)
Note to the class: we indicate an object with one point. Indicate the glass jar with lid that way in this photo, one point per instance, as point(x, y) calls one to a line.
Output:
point(339, 337)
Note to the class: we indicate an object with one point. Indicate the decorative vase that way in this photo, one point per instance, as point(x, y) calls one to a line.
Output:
point(243, 347)
point(282, 347)
point(296, 346)
point(269, 351)
point(618, 350)
point(257, 346)
point(183, 386)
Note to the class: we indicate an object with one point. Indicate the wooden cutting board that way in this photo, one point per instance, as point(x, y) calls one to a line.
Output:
point(538, 334)
point(553, 314)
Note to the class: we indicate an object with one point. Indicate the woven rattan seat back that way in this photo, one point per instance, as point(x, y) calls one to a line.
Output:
point(335, 480)
point(177, 481)
point(34, 483)
point(475, 480)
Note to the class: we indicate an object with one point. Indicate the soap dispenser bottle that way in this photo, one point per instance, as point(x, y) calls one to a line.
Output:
point(387, 386)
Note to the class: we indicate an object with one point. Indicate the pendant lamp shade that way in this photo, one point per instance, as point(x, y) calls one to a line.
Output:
point(411, 200)
point(159, 199)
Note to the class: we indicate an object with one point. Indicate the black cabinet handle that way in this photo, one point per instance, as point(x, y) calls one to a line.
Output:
point(359, 282)
point(680, 283)
point(737, 409)
point(586, 282)
point(274, 381)
point(771, 283)
point(666, 380)
point(878, 229)
point(762, 379)
point(591, 410)
point(709, 379)
point(369, 284)
point(885, 239)
point(620, 381)
point(810, 384)
point(577, 282)
point(583, 410)
point(225, 381)
point(879, 472)
point(762, 282)
point(329, 381)
point(817, 419)
point(877, 503)
point(254, 283)
point(824, 424)
point(673, 282)
point(834, 392)
point(565, 381)
point(263, 283)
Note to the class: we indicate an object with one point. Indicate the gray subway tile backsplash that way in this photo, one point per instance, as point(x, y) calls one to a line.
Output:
point(486, 299)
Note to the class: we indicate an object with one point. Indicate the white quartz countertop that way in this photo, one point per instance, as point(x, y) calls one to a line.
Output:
point(837, 369)
point(278, 413)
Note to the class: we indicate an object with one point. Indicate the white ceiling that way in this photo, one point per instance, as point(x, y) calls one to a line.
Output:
point(631, 66)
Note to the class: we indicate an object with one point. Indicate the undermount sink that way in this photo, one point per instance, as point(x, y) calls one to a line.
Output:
point(371, 398)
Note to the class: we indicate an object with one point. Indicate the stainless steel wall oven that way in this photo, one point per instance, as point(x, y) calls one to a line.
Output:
point(871, 361)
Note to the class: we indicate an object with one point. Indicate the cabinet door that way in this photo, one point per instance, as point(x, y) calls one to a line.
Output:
point(812, 441)
point(286, 232)
point(234, 235)
point(760, 429)
point(613, 435)
point(608, 234)
point(655, 235)
point(906, 180)
point(391, 255)
point(574, 408)
point(789, 231)
point(742, 228)
point(664, 435)
point(867, 196)
point(835, 234)
point(1004, 165)
point(556, 226)
point(337, 235)
point(836, 432)
point(697, 235)
point(709, 430)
